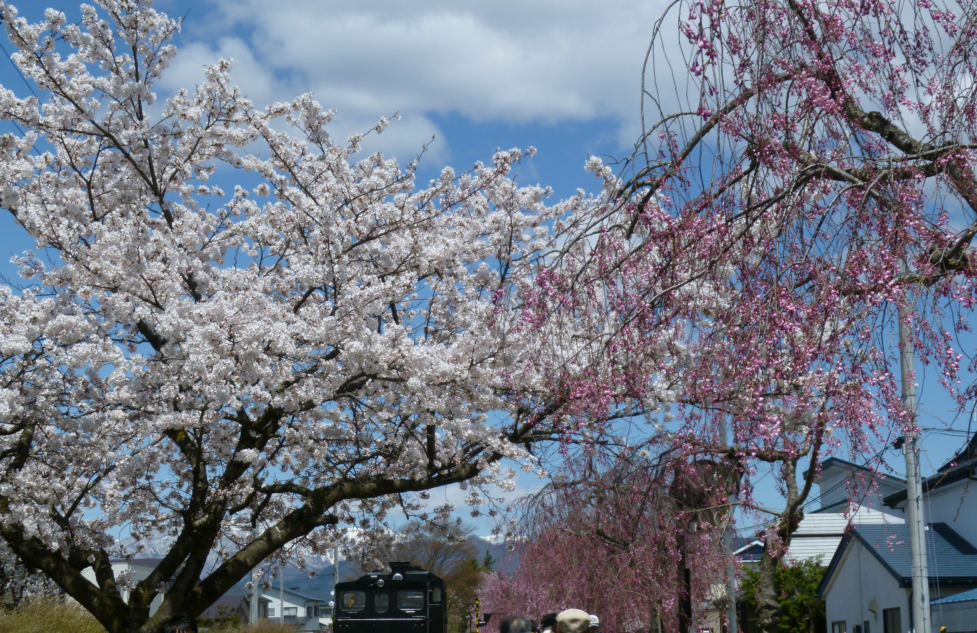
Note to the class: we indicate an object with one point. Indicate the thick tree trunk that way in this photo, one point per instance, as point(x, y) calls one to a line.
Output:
point(685, 588)
point(769, 612)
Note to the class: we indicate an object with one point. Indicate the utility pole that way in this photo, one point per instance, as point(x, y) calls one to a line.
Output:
point(255, 589)
point(281, 593)
point(335, 571)
point(728, 545)
point(914, 503)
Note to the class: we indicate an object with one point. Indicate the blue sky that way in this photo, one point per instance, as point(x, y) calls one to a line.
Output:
point(561, 75)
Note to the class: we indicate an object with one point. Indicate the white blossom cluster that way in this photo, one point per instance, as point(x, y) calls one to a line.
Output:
point(316, 346)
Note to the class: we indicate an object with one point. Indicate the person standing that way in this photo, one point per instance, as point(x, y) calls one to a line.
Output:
point(573, 621)
point(548, 623)
point(515, 624)
point(594, 624)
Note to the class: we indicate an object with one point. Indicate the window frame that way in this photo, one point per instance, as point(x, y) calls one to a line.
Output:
point(351, 609)
point(887, 615)
point(412, 593)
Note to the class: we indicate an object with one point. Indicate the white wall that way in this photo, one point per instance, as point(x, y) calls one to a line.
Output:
point(847, 597)
point(955, 505)
point(291, 600)
point(819, 533)
point(956, 616)
point(139, 572)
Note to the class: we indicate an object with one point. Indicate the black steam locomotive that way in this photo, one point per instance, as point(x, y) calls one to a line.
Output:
point(407, 600)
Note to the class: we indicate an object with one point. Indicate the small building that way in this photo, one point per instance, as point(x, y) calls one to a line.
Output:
point(867, 587)
point(289, 606)
point(947, 493)
point(137, 569)
point(232, 608)
point(298, 609)
point(956, 613)
point(747, 550)
point(819, 533)
point(845, 487)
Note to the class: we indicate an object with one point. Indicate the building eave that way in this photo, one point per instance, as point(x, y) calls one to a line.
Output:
point(836, 461)
point(937, 481)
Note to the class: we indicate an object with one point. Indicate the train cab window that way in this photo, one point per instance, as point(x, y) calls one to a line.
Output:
point(410, 600)
point(354, 600)
point(380, 602)
point(436, 595)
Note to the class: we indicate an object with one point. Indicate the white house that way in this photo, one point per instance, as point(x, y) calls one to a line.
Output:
point(822, 530)
point(289, 606)
point(820, 533)
point(946, 494)
point(845, 486)
point(849, 494)
point(138, 569)
point(868, 583)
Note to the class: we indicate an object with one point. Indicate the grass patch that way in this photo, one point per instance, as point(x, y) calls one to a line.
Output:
point(260, 627)
point(54, 615)
point(49, 615)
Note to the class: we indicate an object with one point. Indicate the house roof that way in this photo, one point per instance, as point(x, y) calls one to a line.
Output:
point(952, 560)
point(966, 454)
point(833, 462)
point(963, 470)
point(138, 562)
point(966, 596)
point(275, 588)
point(223, 604)
point(741, 543)
point(750, 554)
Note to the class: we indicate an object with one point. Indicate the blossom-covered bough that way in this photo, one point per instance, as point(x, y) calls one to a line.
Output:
point(605, 539)
point(315, 346)
point(820, 173)
point(325, 341)
point(820, 163)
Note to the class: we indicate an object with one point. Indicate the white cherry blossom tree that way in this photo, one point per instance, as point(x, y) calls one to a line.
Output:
point(314, 348)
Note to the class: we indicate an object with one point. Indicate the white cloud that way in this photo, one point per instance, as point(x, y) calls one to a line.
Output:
point(256, 79)
point(514, 61)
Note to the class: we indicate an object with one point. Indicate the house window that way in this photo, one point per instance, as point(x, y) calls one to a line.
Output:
point(410, 600)
point(891, 621)
point(839, 627)
point(271, 612)
point(290, 612)
point(865, 627)
point(856, 628)
point(312, 612)
point(381, 602)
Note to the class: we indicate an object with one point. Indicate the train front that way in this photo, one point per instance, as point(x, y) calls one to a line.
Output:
point(407, 600)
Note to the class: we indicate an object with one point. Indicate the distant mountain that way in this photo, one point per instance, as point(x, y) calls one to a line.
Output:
point(317, 579)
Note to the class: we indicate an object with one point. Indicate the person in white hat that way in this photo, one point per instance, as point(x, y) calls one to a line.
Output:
point(573, 621)
point(594, 623)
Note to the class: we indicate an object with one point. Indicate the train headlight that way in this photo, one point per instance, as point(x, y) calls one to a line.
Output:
point(398, 577)
point(380, 583)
